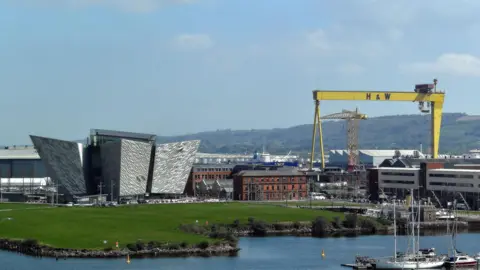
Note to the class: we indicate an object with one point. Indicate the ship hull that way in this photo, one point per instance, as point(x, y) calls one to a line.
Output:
point(406, 265)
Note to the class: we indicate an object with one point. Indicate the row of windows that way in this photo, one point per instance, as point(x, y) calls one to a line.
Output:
point(442, 175)
point(401, 182)
point(398, 173)
point(450, 184)
point(283, 179)
point(251, 187)
point(278, 196)
point(209, 176)
point(213, 169)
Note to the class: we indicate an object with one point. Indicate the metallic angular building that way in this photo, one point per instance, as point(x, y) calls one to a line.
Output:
point(64, 163)
point(126, 166)
point(173, 162)
point(118, 164)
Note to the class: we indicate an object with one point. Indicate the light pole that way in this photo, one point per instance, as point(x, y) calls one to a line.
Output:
point(100, 186)
point(112, 185)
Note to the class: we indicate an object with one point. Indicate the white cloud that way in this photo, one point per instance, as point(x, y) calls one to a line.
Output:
point(318, 39)
point(193, 42)
point(448, 63)
point(137, 6)
point(350, 68)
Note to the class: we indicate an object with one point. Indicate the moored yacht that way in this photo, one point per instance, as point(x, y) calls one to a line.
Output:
point(461, 260)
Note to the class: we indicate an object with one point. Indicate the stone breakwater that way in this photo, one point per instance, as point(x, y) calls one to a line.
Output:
point(62, 253)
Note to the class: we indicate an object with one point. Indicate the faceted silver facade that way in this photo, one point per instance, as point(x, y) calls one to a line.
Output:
point(125, 164)
point(64, 163)
point(173, 162)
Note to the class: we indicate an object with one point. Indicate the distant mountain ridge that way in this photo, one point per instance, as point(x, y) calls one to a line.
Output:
point(460, 132)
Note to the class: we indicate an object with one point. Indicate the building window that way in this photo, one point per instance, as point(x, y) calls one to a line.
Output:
point(441, 175)
point(450, 184)
point(402, 182)
point(398, 173)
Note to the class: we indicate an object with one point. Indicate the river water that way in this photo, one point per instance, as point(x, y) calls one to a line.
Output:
point(258, 253)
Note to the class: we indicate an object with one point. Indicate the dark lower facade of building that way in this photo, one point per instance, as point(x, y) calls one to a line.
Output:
point(119, 164)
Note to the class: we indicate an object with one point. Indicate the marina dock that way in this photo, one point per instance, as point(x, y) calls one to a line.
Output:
point(357, 266)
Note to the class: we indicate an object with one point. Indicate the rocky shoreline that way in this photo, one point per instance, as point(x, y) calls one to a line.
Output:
point(36, 250)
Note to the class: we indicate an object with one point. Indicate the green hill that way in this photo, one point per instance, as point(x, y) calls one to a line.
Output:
point(460, 133)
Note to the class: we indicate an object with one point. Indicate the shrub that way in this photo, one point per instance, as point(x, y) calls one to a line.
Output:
point(320, 226)
point(193, 228)
point(29, 243)
point(154, 244)
point(140, 245)
point(173, 246)
point(219, 232)
point(107, 249)
point(251, 220)
point(203, 245)
point(280, 226)
point(259, 228)
point(297, 225)
point(337, 223)
point(184, 245)
point(132, 247)
point(384, 221)
point(236, 223)
point(369, 224)
point(231, 238)
point(350, 221)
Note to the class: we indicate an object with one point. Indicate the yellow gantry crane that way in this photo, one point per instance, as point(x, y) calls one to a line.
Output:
point(352, 118)
point(424, 94)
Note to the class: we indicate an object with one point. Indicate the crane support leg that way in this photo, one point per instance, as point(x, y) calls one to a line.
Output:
point(314, 135)
point(320, 134)
point(317, 123)
point(437, 108)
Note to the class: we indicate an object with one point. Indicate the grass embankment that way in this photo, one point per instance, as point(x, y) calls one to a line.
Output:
point(72, 227)
point(317, 203)
point(15, 206)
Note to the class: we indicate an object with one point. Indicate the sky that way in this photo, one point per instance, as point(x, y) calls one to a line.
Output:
point(173, 67)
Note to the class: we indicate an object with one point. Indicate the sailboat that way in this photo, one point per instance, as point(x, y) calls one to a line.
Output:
point(411, 260)
point(458, 258)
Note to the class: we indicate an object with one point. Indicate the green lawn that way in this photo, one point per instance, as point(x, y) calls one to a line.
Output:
point(317, 203)
point(78, 227)
point(14, 206)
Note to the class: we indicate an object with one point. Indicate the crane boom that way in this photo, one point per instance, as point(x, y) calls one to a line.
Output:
point(423, 93)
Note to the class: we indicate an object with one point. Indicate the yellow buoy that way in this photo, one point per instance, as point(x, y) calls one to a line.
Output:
point(128, 259)
point(323, 253)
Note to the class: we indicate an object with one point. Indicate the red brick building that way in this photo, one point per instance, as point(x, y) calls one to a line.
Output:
point(270, 185)
point(211, 172)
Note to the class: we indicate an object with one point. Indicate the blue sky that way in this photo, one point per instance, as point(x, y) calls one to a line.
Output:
point(182, 66)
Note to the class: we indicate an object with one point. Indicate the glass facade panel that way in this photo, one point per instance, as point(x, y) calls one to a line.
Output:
point(22, 168)
point(5, 168)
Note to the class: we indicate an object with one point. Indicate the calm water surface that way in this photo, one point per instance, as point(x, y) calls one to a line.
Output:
point(258, 253)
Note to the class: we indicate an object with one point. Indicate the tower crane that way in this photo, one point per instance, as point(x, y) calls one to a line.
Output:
point(352, 118)
point(422, 94)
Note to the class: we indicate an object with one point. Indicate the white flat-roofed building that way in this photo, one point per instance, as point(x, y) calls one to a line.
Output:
point(398, 178)
point(453, 180)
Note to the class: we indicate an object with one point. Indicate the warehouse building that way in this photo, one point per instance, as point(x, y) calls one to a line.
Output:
point(368, 158)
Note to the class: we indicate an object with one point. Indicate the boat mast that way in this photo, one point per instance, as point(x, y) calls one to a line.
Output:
point(418, 220)
point(412, 220)
point(417, 251)
point(395, 229)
